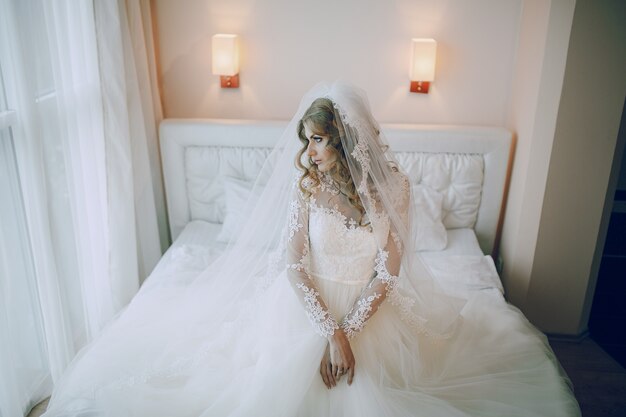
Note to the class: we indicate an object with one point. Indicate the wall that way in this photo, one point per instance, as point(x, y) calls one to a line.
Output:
point(288, 46)
point(566, 105)
point(504, 63)
point(540, 67)
point(567, 253)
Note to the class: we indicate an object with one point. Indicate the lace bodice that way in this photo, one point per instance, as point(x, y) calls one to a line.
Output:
point(341, 251)
point(329, 240)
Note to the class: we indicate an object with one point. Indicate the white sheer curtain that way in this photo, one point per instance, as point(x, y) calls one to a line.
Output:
point(85, 207)
point(130, 126)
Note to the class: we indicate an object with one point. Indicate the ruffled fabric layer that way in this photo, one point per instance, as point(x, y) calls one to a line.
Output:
point(266, 363)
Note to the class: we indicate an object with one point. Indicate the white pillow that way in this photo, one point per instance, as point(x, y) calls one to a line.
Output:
point(237, 192)
point(429, 231)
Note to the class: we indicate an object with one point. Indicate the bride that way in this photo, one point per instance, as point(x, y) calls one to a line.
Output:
point(320, 307)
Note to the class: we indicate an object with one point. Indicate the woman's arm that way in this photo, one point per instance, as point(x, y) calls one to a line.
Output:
point(386, 269)
point(298, 266)
point(339, 356)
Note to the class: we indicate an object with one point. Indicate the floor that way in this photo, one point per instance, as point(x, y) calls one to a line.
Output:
point(607, 322)
point(599, 380)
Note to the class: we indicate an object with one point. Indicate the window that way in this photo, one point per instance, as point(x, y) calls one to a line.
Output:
point(23, 357)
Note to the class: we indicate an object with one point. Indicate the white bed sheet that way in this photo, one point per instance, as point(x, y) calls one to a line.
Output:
point(459, 269)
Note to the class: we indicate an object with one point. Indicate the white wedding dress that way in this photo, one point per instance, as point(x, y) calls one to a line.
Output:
point(265, 360)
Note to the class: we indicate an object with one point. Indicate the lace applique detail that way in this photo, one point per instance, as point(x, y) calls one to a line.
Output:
point(294, 212)
point(303, 263)
point(382, 273)
point(307, 184)
point(343, 251)
point(400, 195)
point(404, 306)
point(397, 241)
point(324, 183)
point(343, 223)
point(355, 322)
point(300, 267)
point(327, 184)
point(296, 267)
point(402, 303)
point(362, 157)
point(322, 321)
point(360, 151)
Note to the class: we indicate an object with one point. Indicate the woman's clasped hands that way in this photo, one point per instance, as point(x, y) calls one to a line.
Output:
point(338, 360)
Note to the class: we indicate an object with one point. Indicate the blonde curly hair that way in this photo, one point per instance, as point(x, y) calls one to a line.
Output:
point(321, 118)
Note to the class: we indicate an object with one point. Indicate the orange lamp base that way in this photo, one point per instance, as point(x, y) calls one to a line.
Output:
point(420, 87)
point(229, 81)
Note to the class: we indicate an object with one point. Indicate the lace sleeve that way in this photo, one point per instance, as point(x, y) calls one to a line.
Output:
point(385, 279)
point(297, 267)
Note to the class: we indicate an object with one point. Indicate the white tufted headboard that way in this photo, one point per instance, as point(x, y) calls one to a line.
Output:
point(468, 165)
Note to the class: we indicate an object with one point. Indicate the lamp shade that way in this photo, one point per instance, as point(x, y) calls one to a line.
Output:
point(423, 59)
point(225, 54)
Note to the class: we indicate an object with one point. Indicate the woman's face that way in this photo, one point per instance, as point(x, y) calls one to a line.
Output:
point(317, 150)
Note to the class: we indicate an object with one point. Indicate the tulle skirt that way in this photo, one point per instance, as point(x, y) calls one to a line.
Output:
point(266, 362)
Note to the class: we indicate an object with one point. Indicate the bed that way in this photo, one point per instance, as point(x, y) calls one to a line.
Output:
point(190, 356)
point(464, 166)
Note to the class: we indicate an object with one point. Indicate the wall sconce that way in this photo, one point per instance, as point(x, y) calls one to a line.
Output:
point(225, 57)
point(422, 64)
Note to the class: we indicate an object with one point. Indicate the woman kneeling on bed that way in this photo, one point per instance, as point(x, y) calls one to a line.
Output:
point(321, 307)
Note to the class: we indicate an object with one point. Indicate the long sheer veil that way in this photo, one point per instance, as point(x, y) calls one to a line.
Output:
point(257, 256)
point(171, 335)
